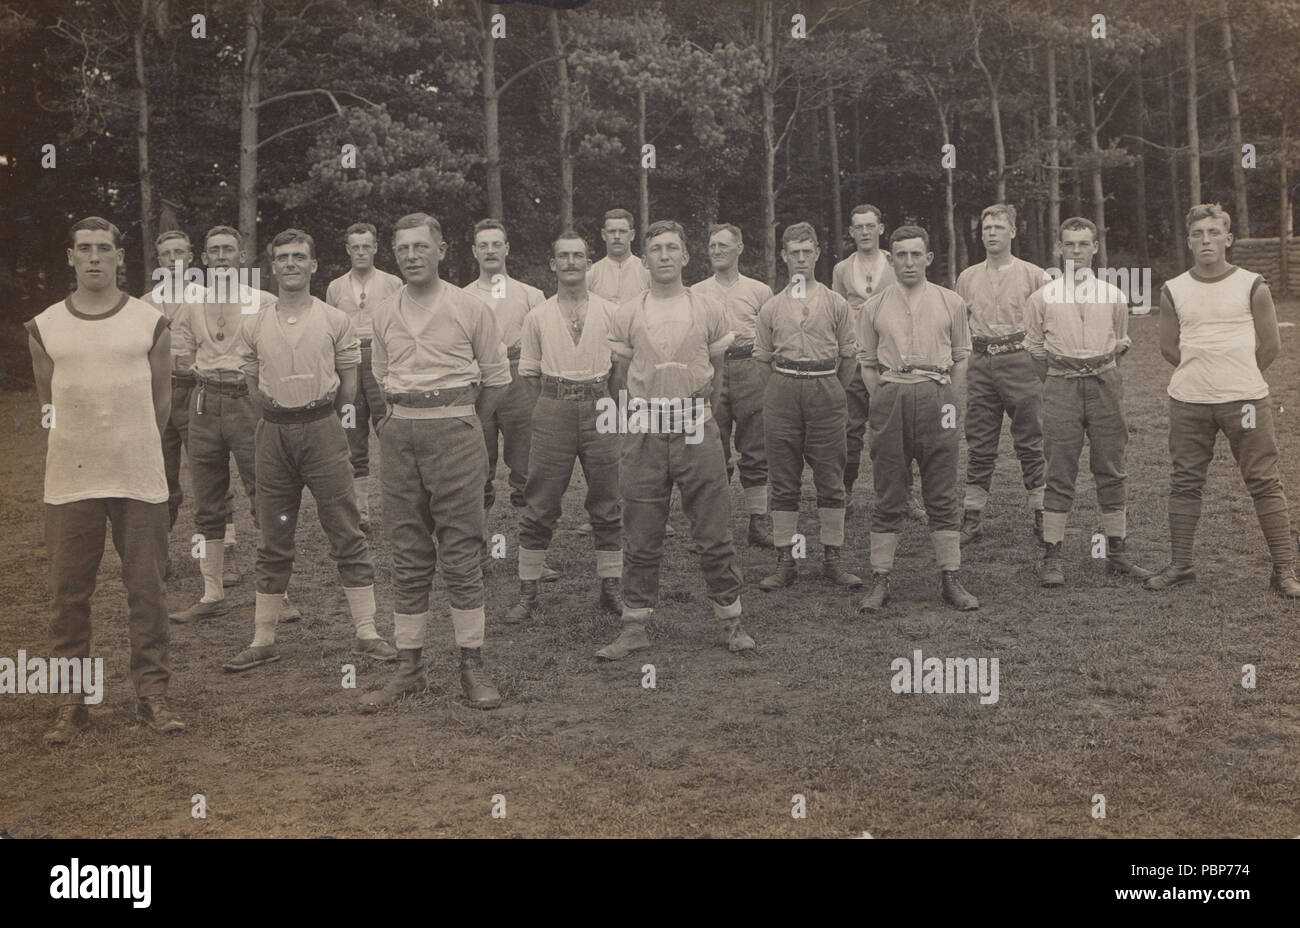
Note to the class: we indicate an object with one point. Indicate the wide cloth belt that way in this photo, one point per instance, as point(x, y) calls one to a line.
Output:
point(182, 377)
point(560, 389)
point(744, 351)
point(1079, 367)
point(512, 354)
point(454, 396)
point(1002, 345)
point(225, 388)
point(286, 415)
point(791, 368)
point(909, 368)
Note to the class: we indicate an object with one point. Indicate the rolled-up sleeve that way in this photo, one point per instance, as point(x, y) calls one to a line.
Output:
point(957, 310)
point(530, 347)
point(868, 342)
point(246, 346)
point(844, 334)
point(620, 331)
point(347, 344)
point(489, 349)
point(718, 328)
point(1122, 340)
point(763, 331)
point(1035, 309)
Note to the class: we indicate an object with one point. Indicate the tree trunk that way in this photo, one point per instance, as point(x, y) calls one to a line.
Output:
point(1176, 237)
point(491, 120)
point(142, 143)
point(563, 118)
point(1054, 153)
point(1098, 191)
point(857, 151)
point(1072, 100)
point(1242, 217)
point(1035, 205)
point(250, 95)
point(767, 48)
point(963, 250)
point(1284, 220)
point(837, 203)
point(643, 173)
point(995, 110)
point(1193, 130)
point(1144, 250)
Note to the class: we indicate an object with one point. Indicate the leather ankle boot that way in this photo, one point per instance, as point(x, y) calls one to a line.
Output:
point(610, 601)
point(836, 574)
point(408, 680)
point(523, 610)
point(1117, 561)
point(479, 693)
point(785, 573)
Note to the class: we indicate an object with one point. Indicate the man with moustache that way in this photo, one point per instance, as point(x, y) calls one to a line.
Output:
point(670, 346)
point(300, 358)
point(363, 284)
point(439, 356)
point(740, 408)
point(913, 345)
point(620, 275)
point(102, 366)
point(1003, 379)
point(565, 363)
point(805, 337)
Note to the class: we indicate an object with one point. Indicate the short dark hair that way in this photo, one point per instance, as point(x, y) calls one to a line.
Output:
point(727, 227)
point(619, 214)
point(867, 208)
point(171, 234)
point(223, 230)
point(570, 233)
point(288, 237)
point(414, 221)
point(902, 233)
point(1079, 224)
point(484, 224)
point(360, 228)
point(1208, 211)
point(94, 224)
point(799, 232)
point(661, 227)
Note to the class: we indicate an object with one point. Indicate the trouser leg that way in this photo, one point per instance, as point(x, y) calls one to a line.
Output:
point(1022, 398)
point(599, 457)
point(515, 417)
point(554, 445)
point(1107, 439)
point(859, 408)
point(1063, 432)
point(279, 498)
point(407, 518)
point(700, 474)
point(646, 487)
point(74, 540)
point(891, 455)
point(140, 536)
point(327, 471)
point(983, 428)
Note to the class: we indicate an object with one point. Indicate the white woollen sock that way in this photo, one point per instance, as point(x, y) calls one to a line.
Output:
point(264, 618)
point(361, 603)
point(408, 629)
point(211, 566)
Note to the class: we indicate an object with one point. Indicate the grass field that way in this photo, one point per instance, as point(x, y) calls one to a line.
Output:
point(1105, 688)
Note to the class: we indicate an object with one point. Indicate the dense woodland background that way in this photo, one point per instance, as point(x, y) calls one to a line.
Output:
point(544, 126)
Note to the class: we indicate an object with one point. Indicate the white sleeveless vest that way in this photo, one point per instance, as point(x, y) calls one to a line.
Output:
point(104, 441)
point(1216, 339)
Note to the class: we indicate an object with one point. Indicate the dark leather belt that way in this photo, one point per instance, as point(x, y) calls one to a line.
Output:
point(736, 354)
point(560, 389)
point(366, 342)
point(225, 388)
point(512, 354)
point(185, 378)
point(1002, 345)
point(1079, 367)
point(791, 368)
point(286, 415)
point(453, 396)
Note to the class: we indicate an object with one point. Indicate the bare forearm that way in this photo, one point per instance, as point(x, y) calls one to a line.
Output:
point(845, 371)
point(719, 373)
point(347, 392)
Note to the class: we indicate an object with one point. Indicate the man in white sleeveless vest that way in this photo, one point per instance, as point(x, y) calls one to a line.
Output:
point(363, 284)
point(1218, 327)
point(103, 376)
point(740, 410)
point(807, 350)
point(669, 345)
point(564, 362)
point(300, 358)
